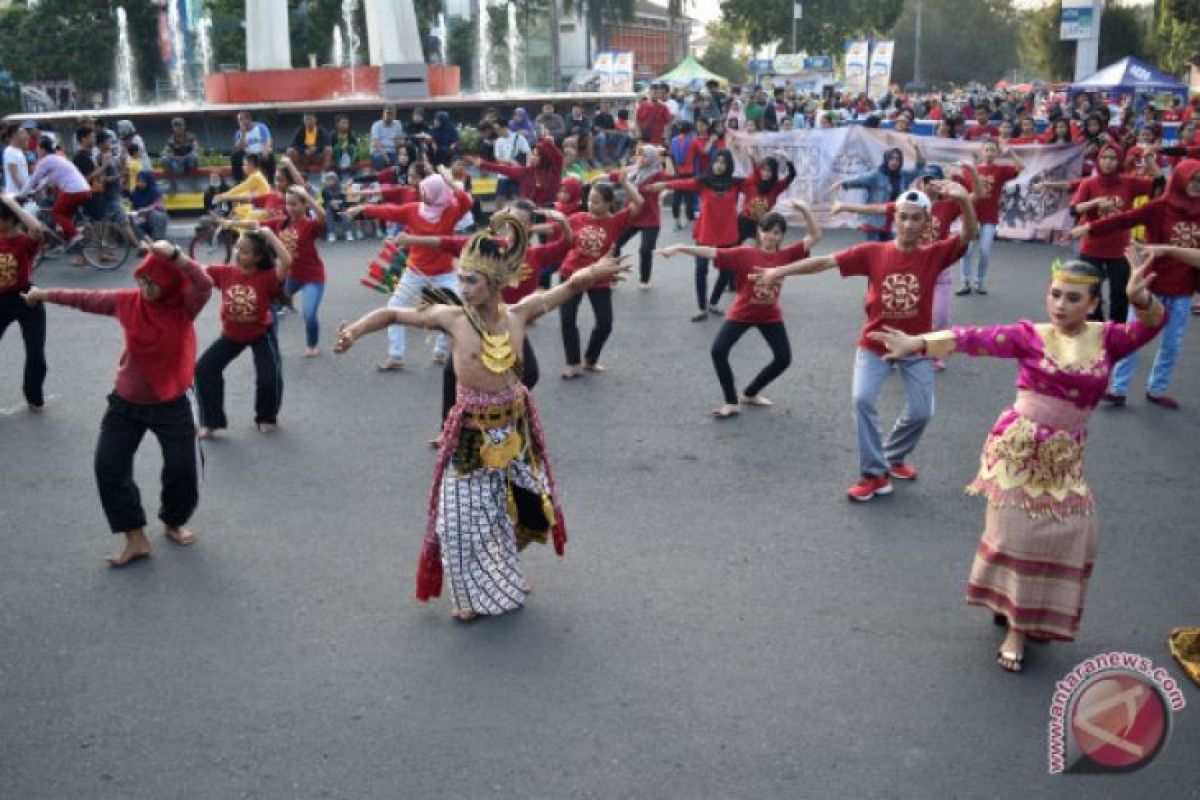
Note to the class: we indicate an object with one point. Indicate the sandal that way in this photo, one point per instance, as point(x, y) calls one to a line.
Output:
point(571, 373)
point(703, 315)
point(1010, 661)
point(719, 413)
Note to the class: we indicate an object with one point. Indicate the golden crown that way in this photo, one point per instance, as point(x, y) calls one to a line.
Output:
point(496, 252)
point(1059, 272)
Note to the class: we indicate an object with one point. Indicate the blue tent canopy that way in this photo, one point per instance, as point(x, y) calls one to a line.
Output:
point(1130, 76)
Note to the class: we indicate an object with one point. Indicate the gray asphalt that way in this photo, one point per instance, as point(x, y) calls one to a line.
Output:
point(724, 625)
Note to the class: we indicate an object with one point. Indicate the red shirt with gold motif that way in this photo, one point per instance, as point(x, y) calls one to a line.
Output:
point(1121, 191)
point(594, 238)
point(17, 252)
point(300, 236)
point(245, 300)
point(756, 304)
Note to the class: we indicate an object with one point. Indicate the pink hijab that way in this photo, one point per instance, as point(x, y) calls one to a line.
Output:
point(436, 196)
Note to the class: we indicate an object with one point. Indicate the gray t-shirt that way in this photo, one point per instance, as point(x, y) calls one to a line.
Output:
point(386, 135)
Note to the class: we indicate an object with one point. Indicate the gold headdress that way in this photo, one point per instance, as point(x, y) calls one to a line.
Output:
point(1059, 272)
point(495, 252)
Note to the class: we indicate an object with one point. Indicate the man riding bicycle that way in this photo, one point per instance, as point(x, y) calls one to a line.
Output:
point(55, 171)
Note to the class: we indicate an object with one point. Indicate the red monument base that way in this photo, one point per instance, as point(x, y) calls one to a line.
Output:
point(303, 85)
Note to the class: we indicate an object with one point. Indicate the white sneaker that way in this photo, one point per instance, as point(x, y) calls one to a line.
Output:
point(359, 235)
point(331, 237)
point(349, 236)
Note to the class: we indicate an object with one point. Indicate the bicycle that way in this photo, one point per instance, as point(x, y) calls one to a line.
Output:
point(103, 245)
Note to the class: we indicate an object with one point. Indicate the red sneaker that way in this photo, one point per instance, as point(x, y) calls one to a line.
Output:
point(869, 486)
point(902, 472)
point(1165, 401)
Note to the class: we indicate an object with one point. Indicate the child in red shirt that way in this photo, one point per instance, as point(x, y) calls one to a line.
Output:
point(992, 176)
point(900, 286)
point(299, 232)
point(760, 192)
point(646, 171)
point(247, 289)
point(152, 392)
point(756, 306)
point(596, 232)
point(18, 249)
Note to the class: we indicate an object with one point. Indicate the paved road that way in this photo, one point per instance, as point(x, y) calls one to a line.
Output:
point(725, 624)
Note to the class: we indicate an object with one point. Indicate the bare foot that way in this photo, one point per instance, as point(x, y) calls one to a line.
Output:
point(311, 352)
point(593, 367)
point(756, 400)
point(180, 536)
point(1011, 656)
point(267, 427)
point(205, 433)
point(463, 614)
point(726, 411)
point(137, 546)
point(643, 286)
point(571, 372)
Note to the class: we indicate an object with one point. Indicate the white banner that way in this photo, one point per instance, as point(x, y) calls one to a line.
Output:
point(879, 77)
point(856, 66)
point(824, 156)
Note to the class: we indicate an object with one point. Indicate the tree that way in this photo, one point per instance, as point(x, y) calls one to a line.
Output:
point(1124, 31)
point(720, 57)
point(825, 27)
point(1177, 33)
point(949, 56)
point(600, 14)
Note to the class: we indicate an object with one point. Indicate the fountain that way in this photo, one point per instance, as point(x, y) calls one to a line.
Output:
point(352, 41)
point(514, 60)
point(124, 67)
point(178, 53)
point(338, 57)
point(482, 83)
point(443, 39)
point(204, 43)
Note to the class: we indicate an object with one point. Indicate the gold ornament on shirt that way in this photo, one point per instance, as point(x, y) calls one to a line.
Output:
point(498, 254)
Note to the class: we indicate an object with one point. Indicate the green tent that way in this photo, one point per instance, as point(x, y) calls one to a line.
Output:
point(691, 74)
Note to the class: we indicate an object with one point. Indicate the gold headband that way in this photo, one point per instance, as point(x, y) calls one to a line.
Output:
point(1059, 273)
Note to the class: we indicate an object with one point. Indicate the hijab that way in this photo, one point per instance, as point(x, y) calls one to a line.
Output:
point(719, 183)
point(648, 165)
point(765, 185)
point(144, 198)
point(520, 122)
point(1176, 195)
point(443, 131)
point(160, 340)
point(895, 177)
point(1113, 179)
point(574, 189)
point(436, 196)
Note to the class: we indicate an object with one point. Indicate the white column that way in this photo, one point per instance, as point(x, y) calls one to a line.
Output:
point(267, 42)
point(392, 33)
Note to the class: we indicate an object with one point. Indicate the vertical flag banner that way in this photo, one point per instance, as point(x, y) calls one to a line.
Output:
point(880, 73)
point(856, 66)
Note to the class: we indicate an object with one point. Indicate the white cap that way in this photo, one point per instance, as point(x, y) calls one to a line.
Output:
point(912, 197)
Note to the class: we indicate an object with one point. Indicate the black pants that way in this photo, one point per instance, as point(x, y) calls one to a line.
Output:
point(601, 300)
point(724, 281)
point(529, 377)
point(685, 199)
point(1116, 272)
point(727, 337)
point(268, 379)
point(266, 164)
point(32, 320)
point(645, 251)
point(121, 433)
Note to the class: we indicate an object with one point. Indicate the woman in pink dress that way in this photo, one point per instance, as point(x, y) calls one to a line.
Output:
point(1033, 562)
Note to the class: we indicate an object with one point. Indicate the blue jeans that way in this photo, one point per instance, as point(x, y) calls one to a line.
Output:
point(1178, 313)
point(382, 159)
point(335, 223)
point(870, 371)
point(408, 295)
point(181, 165)
point(612, 146)
point(311, 294)
point(980, 254)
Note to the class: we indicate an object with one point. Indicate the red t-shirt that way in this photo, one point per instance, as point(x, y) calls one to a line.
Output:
point(650, 214)
point(653, 118)
point(1109, 245)
point(594, 237)
point(756, 304)
point(757, 203)
point(425, 260)
point(537, 258)
point(17, 252)
point(699, 153)
point(245, 300)
point(988, 131)
point(718, 212)
point(272, 202)
point(993, 177)
point(300, 238)
point(399, 194)
point(900, 283)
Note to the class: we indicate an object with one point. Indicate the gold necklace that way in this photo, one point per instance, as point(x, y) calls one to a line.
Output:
point(496, 351)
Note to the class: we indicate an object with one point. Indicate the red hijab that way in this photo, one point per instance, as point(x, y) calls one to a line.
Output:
point(1176, 195)
point(574, 189)
point(160, 341)
point(1109, 180)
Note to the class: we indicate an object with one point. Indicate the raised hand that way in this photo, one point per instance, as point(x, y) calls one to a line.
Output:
point(1140, 276)
point(1078, 232)
point(611, 267)
point(345, 338)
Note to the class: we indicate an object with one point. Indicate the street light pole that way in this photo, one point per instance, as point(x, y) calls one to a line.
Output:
point(797, 13)
point(917, 48)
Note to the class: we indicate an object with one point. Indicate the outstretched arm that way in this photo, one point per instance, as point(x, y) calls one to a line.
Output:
point(810, 222)
point(427, 318)
point(1187, 255)
point(805, 266)
point(539, 303)
point(696, 250)
point(858, 208)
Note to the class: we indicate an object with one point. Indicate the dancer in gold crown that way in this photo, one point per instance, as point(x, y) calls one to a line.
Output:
point(493, 491)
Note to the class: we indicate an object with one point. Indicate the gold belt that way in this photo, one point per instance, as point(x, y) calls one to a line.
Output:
point(496, 416)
